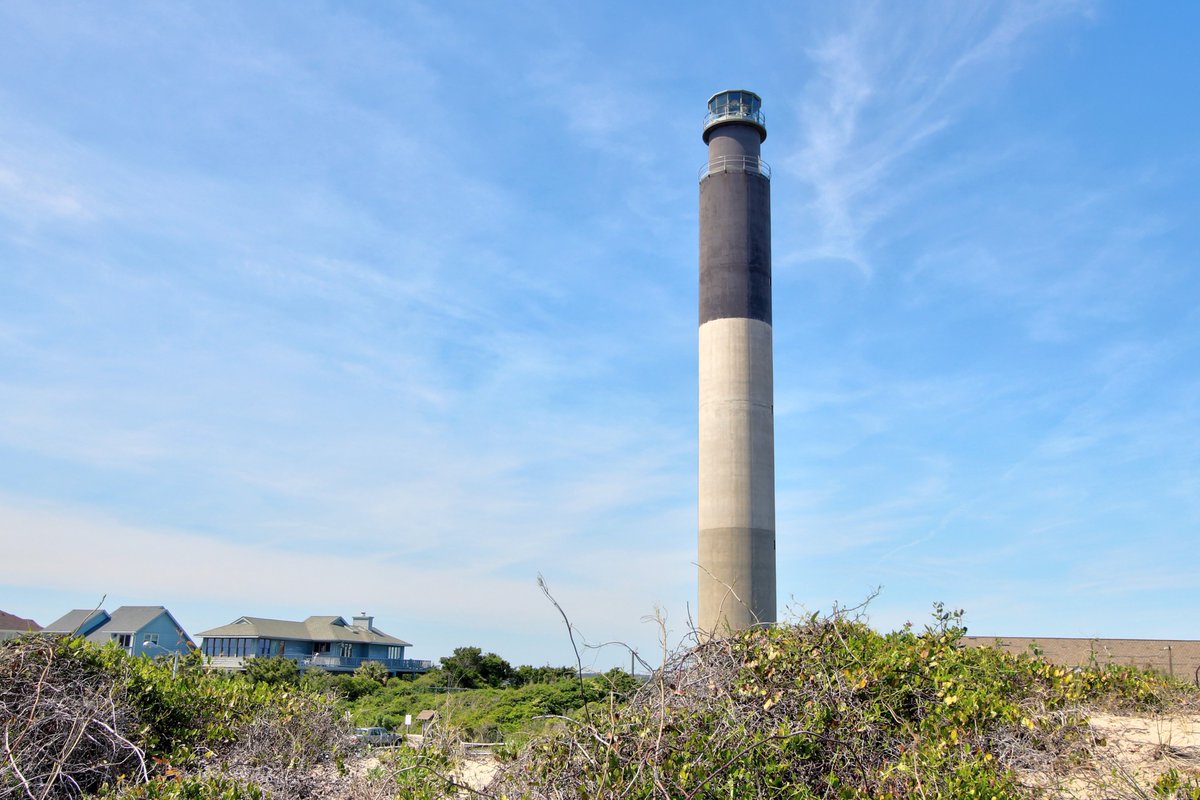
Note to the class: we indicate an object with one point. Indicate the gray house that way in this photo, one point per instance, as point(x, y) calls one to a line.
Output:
point(140, 630)
point(327, 642)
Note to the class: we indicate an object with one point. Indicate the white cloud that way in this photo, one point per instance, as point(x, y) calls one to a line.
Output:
point(31, 199)
point(887, 86)
point(86, 555)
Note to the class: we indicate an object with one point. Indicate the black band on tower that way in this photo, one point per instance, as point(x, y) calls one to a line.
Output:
point(735, 247)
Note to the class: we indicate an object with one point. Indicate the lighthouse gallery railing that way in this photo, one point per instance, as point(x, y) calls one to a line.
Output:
point(752, 164)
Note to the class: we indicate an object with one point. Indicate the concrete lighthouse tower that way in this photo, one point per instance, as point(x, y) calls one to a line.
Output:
point(737, 407)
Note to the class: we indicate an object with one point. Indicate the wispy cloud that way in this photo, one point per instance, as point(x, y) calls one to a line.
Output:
point(28, 198)
point(417, 601)
point(886, 86)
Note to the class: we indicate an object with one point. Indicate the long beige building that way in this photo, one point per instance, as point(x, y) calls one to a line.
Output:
point(1177, 657)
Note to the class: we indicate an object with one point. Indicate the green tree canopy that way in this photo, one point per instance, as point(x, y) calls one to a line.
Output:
point(471, 668)
point(373, 670)
point(526, 674)
point(274, 670)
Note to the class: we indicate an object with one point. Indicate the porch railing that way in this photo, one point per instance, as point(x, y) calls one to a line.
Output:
point(338, 663)
point(341, 662)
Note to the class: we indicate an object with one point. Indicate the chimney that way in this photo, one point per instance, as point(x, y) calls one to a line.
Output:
point(361, 620)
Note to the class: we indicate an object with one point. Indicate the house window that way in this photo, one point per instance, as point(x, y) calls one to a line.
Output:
point(320, 647)
point(395, 653)
point(279, 647)
point(347, 649)
point(152, 638)
point(123, 639)
point(264, 647)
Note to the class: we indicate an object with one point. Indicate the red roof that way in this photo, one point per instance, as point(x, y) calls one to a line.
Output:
point(11, 622)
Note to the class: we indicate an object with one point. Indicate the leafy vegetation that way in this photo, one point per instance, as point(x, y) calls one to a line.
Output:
point(827, 708)
point(80, 719)
point(1174, 786)
point(491, 714)
point(212, 787)
point(832, 709)
point(470, 668)
point(273, 670)
point(373, 671)
point(77, 720)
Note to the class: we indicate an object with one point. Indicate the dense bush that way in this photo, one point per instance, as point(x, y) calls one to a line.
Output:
point(76, 718)
point(824, 709)
point(372, 671)
point(274, 670)
point(832, 709)
point(510, 714)
point(211, 787)
point(471, 668)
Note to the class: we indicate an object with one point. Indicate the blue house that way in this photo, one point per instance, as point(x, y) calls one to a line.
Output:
point(140, 630)
point(327, 642)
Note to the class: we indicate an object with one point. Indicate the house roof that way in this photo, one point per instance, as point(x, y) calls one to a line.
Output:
point(126, 619)
point(11, 622)
point(313, 629)
point(75, 620)
point(131, 619)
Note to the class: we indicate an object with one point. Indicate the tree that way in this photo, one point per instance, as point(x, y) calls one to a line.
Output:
point(317, 679)
point(471, 668)
point(526, 674)
point(435, 677)
point(373, 670)
point(495, 671)
point(620, 682)
point(274, 670)
point(353, 687)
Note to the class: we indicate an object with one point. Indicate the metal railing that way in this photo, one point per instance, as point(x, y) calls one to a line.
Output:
point(225, 662)
point(751, 164)
point(342, 662)
point(326, 662)
point(736, 112)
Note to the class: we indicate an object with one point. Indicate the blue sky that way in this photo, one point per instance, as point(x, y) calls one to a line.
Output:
point(314, 308)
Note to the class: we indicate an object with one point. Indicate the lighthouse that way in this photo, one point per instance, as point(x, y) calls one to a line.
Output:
point(737, 417)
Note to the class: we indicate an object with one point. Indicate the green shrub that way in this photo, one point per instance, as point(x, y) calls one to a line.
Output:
point(484, 714)
point(471, 668)
point(213, 787)
point(372, 671)
point(1173, 786)
point(830, 708)
point(274, 670)
point(77, 717)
